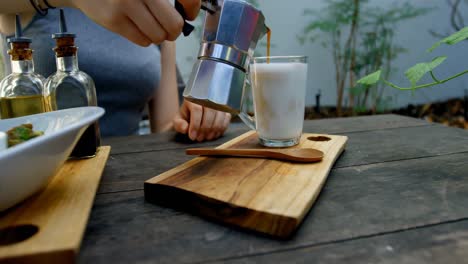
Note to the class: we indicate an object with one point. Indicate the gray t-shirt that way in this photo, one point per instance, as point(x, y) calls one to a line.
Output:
point(125, 74)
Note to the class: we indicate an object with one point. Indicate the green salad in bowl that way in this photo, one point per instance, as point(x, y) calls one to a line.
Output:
point(35, 147)
point(21, 133)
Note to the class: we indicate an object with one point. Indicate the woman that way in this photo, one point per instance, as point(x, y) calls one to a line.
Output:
point(116, 40)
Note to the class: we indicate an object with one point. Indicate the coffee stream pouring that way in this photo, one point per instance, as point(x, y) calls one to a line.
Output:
point(230, 34)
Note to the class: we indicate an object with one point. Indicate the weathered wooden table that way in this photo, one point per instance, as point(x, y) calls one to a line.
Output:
point(398, 194)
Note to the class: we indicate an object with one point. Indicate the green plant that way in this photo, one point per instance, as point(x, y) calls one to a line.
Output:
point(457, 19)
point(360, 38)
point(337, 17)
point(415, 73)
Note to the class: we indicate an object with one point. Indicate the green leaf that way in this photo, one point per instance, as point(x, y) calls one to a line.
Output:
point(370, 79)
point(359, 89)
point(415, 73)
point(23, 133)
point(452, 39)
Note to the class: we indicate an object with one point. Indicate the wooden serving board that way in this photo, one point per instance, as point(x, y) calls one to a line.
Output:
point(264, 195)
point(48, 227)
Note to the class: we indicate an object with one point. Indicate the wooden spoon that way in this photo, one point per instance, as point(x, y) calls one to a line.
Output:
point(292, 154)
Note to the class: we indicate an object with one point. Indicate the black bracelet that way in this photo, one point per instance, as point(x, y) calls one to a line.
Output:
point(48, 5)
point(38, 8)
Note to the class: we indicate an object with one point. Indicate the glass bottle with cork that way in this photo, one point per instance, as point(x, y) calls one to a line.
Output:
point(69, 87)
point(21, 92)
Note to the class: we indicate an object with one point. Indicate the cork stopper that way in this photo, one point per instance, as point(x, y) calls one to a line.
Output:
point(20, 46)
point(65, 41)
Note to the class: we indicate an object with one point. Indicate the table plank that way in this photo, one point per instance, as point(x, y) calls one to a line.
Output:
point(361, 123)
point(356, 202)
point(443, 243)
point(166, 140)
point(402, 144)
point(128, 171)
point(169, 140)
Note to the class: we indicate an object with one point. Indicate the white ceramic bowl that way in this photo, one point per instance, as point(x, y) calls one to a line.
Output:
point(29, 166)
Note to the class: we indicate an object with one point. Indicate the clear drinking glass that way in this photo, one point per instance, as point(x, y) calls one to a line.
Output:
point(278, 84)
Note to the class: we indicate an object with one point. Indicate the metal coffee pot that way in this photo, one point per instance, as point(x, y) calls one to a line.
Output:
point(231, 31)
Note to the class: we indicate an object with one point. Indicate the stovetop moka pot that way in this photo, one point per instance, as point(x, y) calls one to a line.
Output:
point(230, 34)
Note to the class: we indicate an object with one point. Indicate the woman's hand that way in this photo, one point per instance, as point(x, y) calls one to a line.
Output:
point(201, 123)
point(141, 21)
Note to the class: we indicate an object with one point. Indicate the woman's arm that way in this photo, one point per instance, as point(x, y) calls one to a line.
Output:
point(200, 123)
point(141, 21)
point(164, 105)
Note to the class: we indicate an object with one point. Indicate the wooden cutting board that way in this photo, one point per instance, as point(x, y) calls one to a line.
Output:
point(264, 195)
point(49, 226)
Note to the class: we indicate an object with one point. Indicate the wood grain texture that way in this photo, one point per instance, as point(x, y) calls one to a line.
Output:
point(444, 243)
point(392, 177)
point(356, 202)
point(263, 195)
point(126, 172)
point(285, 154)
point(167, 140)
point(60, 212)
point(361, 124)
point(170, 140)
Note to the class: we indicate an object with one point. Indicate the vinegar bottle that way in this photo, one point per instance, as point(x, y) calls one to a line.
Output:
point(21, 92)
point(69, 87)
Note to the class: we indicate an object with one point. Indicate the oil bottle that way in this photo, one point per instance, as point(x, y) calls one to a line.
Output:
point(69, 87)
point(21, 92)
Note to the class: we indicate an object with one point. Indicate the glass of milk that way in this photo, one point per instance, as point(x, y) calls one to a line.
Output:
point(278, 85)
